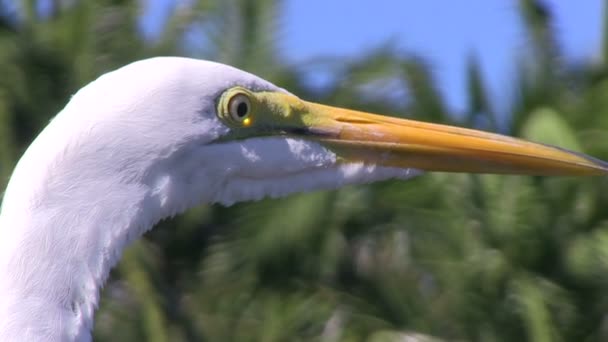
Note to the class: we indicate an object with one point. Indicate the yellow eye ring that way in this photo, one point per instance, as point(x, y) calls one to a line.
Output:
point(239, 108)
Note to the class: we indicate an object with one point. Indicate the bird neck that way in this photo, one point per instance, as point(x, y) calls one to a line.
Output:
point(55, 259)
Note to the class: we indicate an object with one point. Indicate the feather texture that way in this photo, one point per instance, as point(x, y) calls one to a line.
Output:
point(135, 146)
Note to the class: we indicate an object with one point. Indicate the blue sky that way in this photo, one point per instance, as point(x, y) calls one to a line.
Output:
point(444, 32)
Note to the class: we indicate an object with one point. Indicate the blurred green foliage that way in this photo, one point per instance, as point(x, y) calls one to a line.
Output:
point(441, 257)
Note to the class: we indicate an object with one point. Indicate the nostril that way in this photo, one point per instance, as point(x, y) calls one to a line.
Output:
point(352, 120)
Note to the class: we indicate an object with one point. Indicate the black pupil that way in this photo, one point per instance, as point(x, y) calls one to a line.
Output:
point(242, 109)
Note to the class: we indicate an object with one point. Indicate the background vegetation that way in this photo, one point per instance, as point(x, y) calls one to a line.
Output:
point(444, 256)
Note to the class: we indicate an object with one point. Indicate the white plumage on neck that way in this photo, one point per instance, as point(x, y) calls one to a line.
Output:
point(131, 148)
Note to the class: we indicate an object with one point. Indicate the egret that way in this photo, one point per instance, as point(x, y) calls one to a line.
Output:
point(158, 136)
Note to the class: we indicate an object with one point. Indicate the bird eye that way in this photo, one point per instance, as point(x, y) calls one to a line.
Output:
point(239, 108)
point(236, 107)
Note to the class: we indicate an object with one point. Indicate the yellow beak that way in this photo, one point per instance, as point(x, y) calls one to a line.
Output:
point(389, 141)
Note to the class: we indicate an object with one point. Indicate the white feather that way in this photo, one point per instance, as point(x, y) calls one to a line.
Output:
point(129, 149)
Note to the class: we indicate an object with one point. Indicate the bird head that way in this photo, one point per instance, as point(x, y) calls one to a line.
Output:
point(193, 131)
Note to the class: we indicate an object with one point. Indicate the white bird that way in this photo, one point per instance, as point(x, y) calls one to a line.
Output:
point(158, 136)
